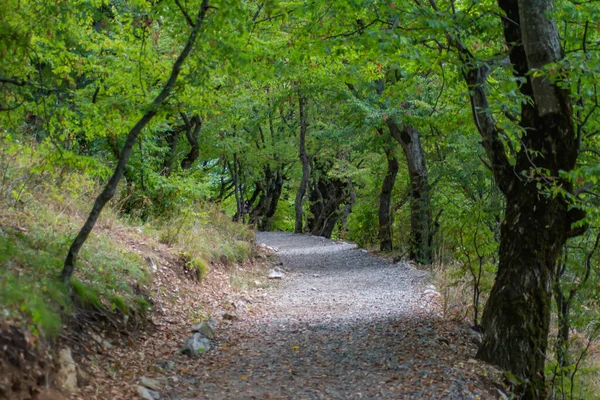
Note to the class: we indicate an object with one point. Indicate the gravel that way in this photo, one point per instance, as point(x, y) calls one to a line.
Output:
point(341, 324)
point(339, 282)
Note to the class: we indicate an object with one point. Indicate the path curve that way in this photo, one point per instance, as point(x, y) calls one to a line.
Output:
point(342, 324)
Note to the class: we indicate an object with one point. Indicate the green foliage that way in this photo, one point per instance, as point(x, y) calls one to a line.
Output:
point(35, 233)
point(86, 296)
point(76, 75)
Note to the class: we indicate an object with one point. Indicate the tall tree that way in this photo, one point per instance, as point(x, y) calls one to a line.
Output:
point(421, 232)
point(109, 190)
point(538, 218)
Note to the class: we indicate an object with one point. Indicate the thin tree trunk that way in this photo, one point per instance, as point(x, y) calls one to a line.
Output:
point(172, 138)
point(305, 165)
point(192, 128)
point(111, 187)
point(420, 216)
point(385, 201)
point(348, 207)
point(239, 214)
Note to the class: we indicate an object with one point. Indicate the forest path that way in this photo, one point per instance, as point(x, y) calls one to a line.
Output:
point(342, 324)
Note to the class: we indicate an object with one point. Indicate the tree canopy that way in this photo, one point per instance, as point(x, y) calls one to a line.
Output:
point(452, 133)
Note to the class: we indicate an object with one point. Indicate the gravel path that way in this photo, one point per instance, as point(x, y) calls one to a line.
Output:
point(342, 324)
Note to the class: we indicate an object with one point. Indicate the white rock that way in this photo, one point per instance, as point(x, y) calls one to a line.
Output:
point(275, 274)
point(67, 372)
point(205, 329)
point(150, 383)
point(147, 394)
point(195, 345)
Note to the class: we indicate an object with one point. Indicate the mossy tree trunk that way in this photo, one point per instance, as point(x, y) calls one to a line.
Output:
point(537, 225)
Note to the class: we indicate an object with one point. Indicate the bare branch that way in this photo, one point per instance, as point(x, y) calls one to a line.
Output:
point(185, 14)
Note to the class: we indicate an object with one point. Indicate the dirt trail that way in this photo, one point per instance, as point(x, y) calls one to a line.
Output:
point(342, 324)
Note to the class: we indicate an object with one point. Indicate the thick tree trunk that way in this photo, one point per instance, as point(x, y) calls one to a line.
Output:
point(305, 166)
point(517, 314)
point(385, 201)
point(109, 190)
point(326, 197)
point(537, 225)
point(273, 195)
point(420, 217)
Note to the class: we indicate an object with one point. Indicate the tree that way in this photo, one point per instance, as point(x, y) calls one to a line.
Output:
point(538, 218)
point(111, 187)
point(385, 199)
point(304, 161)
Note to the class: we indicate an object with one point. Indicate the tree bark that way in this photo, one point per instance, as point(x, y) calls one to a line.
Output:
point(536, 226)
point(304, 160)
point(172, 138)
point(348, 208)
point(385, 201)
point(192, 128)
point(420, 215)
point(109, 190)
point(327, 195)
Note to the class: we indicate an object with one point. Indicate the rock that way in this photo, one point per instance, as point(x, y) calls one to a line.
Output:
point(150, 383)
point(67, 370)
point(494, 375)
point(153, 263)
point(195, 345)
point(166, 365)
point(146, 393)
point(443, 340)
point(82, 377)
point(273, 274)
point(229, 317)
point(101, 341)
point(205, 329)
point(475, 337)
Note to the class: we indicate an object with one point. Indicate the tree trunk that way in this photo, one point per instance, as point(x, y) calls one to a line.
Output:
point(537, 225)
point(192, 128)
point(420, 215)
point(109, 190)
point(172, 138)
point(348, 208)
point(385, 201)
point(273, 195)
point(304, 160)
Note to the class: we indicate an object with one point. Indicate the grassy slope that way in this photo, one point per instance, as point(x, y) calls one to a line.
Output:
point(43, 202)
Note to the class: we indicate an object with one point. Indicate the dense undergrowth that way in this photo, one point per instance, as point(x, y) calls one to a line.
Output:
point(44, 198)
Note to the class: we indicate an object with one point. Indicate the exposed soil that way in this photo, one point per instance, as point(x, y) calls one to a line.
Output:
point(342, 324)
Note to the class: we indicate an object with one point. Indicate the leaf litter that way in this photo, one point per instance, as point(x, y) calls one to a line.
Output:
point(341, 324)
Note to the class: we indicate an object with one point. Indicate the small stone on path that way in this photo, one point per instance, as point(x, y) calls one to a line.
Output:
point(273, 274)
point(146, 393)
point(150, 383)
point(205, 329)
point(195, 345)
